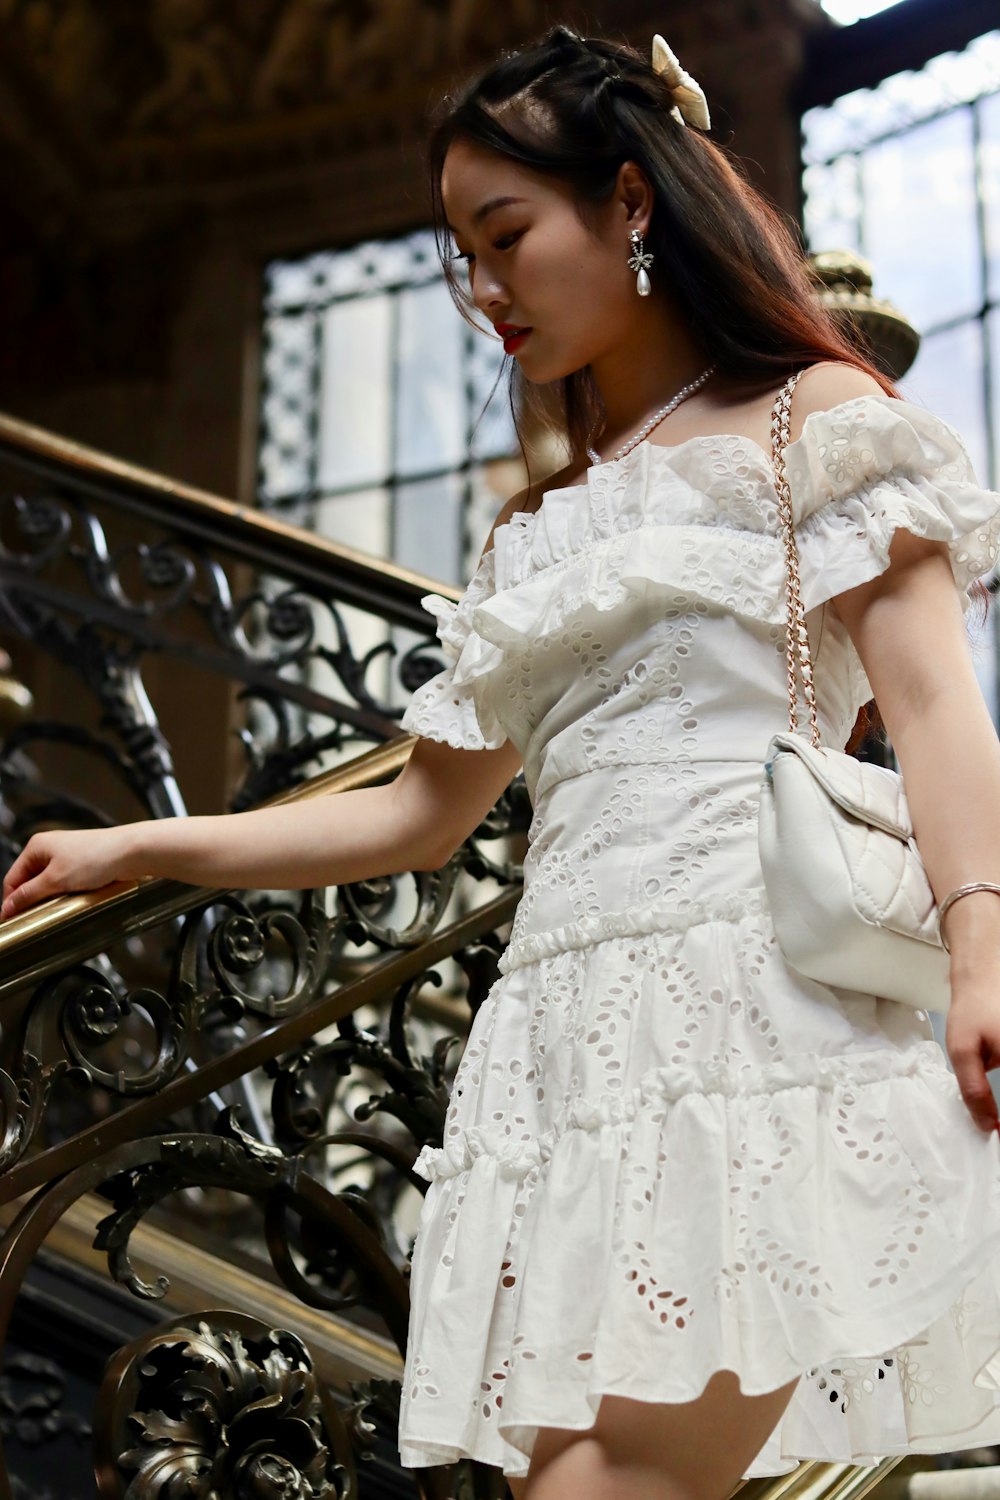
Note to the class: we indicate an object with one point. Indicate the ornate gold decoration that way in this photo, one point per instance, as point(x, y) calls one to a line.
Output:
point(844, 281)
point(219, 1406)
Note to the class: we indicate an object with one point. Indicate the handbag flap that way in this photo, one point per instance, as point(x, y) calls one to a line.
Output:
point(872, 793)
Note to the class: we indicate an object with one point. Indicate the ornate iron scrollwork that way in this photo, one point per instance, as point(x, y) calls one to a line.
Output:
point(148, 1017)
point(271, 639)
point(220, 1406)
point(22, 1104)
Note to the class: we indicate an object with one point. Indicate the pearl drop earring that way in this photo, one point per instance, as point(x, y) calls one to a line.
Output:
point(639, 261)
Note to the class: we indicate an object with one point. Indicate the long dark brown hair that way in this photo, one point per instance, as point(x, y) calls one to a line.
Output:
point(576, 108)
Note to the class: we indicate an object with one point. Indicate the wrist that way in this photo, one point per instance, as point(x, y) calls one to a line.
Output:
point(971, 925)
point(137, 855)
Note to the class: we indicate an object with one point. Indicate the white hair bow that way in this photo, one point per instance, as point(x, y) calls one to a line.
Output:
point(690, 105)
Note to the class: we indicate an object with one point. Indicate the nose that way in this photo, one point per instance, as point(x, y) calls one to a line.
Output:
point(489, 293)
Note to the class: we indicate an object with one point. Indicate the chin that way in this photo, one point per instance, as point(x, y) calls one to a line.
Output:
point(540, 373)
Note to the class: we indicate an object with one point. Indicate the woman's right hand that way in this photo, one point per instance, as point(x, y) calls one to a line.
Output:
point(972, 1037)
point(60, 860)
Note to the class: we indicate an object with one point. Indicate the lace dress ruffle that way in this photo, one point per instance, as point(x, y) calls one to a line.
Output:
point(444, 708)
point(861, 471)
point(661, 526)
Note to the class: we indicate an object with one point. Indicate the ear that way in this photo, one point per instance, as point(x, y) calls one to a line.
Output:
point(635, 194)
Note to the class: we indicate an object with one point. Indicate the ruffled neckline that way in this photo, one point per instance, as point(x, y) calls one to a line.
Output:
point(670, 483)
point(695, 527)
point(614, 495)
point(522, 519)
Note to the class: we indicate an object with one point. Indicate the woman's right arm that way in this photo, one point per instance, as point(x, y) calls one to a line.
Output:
point(415, 822)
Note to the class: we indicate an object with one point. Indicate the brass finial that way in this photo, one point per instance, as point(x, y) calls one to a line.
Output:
point(844, 279)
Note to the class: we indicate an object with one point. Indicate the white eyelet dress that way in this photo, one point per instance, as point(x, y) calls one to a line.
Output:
point(666, 1152)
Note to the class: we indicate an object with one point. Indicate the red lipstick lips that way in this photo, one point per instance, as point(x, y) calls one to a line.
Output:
point(512, 336)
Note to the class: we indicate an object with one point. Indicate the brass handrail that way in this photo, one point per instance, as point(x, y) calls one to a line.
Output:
point(246, 533)
point(385, 976)
point(56, 932)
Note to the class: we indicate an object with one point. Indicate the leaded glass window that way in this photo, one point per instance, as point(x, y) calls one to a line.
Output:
point(373, 387)
point(373, 431)
point(908, 174)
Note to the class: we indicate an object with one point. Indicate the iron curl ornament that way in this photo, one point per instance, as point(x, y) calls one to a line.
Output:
point(219, 1405)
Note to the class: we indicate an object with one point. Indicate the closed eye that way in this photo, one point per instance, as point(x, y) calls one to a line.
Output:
point(505, 242)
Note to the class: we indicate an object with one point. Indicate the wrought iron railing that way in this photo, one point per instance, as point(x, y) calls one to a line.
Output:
point(270, 1062)
point(290, 1051)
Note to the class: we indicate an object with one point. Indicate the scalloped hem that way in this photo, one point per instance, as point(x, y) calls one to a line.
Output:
point(860, 1408)
point(540, 1286)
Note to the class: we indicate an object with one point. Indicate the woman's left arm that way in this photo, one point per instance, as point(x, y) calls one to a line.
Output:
point(909, 631)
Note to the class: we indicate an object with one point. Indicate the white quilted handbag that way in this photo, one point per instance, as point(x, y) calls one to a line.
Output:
point(850, 900)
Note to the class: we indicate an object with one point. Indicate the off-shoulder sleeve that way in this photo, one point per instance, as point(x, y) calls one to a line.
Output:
point(453, 706)
point(863, 469)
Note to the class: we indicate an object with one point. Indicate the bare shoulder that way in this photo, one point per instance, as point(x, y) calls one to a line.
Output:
point(828, 384)
point(527, 499)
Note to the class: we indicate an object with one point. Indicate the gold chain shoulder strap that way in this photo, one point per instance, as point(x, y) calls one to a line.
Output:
point(796, 636)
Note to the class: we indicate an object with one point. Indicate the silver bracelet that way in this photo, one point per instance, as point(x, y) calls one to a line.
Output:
point(962, 890)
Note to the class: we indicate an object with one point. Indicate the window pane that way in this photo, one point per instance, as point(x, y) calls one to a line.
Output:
point(947, 379)
point(355, 400)
point(989, 119)
point(493, 433)
point(912, 186)
point(430, 431)
point(361, 520)
point(839, 127)
point(857, 119)
point(993, 334)
point(832, 216)
point(490, 485)
point(429, 527)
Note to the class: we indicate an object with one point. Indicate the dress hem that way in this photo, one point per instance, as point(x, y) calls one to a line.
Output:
point(943, 1296)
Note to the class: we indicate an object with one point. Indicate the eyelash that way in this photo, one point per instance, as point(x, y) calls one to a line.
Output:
point(468, 257)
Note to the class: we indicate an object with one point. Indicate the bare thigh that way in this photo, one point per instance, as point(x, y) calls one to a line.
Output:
point(699, 1448)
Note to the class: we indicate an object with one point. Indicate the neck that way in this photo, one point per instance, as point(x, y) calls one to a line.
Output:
point(648, 366)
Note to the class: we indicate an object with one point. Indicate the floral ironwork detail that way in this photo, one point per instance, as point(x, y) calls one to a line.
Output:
point(228, 1407)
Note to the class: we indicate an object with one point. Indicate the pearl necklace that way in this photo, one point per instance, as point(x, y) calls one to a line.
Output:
point(595, 458)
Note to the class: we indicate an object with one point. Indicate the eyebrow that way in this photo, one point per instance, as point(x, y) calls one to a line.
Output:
point(487, 208)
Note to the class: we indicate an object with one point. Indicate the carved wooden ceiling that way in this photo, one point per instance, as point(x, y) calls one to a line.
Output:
point(144, 144)
point(117, 111)
point(165, 94)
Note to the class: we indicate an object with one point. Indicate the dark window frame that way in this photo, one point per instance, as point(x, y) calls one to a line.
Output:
point(475, 381)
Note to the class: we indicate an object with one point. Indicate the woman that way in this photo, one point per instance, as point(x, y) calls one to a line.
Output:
point(695, 1216)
